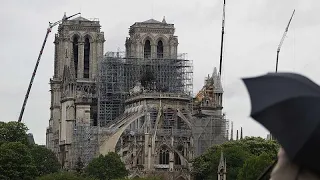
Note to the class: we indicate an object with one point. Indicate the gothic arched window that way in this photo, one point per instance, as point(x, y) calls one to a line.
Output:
point(164, 156)
point(86, 62)
point(147, 49)
point(75, 54)
point(160, 49)
point(177, 160)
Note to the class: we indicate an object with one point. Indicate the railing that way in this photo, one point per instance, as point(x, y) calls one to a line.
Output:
point(161, 166)
point(160, 132)
point(158, 95)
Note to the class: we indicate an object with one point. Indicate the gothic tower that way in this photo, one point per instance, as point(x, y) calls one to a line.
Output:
point(152, 39)
point(78, 47)
point(161, 142)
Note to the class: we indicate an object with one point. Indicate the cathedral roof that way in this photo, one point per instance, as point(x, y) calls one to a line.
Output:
point(79, 19)
point(152, 21)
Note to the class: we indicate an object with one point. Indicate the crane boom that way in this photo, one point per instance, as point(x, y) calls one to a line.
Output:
point(51, 25)
point(282, 40)
point(222, 35)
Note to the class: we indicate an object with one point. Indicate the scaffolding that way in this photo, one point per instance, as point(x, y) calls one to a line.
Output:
point(210, 130)
point(84, 145)
point(118, 75)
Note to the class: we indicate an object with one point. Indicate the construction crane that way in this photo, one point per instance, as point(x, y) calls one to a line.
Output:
point(51, 25)
point(281, 42)
point(222, 35)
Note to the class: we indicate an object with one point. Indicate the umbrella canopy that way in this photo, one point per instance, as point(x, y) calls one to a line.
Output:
point(288, 105)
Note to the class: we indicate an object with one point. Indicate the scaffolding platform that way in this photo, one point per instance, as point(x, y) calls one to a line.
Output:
point(119, 74)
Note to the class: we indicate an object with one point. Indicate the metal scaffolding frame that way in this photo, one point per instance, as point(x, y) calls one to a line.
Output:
point(84, 145)
point(210, 130)
point(118, 74)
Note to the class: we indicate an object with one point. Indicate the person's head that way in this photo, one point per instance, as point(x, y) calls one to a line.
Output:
point(286, 170)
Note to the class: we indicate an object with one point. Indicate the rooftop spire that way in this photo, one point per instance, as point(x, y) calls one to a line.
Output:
point(64, 16)
point(215, 73)
point(231, 138)
point(221, 163)
point(222, 168)
point(164, 20)
point(237, 135)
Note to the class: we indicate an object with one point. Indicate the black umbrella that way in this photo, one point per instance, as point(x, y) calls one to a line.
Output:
point(288, 105)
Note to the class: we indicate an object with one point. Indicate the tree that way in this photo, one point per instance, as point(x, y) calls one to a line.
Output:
point(236, 154)
point(16, 162)
point(254, 166)
point(258, 145)
point(45, 160)
point(145, 178)
point(106, 167)
point(206, 166)
point(13, 132)
point(63, 176)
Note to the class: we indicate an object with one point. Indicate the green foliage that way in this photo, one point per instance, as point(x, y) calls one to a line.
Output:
point(18, 158)
point(16, 162)
point(13, 132)
point(258, 145)
point(254, 166)
point(237, 154)
point(206, 165)
point(63, 176)
point(44, 159)
point(138, 178)
point(106, 167)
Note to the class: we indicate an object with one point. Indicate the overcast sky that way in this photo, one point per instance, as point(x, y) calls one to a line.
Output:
point(253, 31)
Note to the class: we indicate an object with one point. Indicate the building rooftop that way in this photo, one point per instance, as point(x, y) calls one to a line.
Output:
point(151, 21)
point(79, 19)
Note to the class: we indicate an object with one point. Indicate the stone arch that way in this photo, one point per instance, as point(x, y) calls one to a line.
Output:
point(89, 36)
point(87, 55)
point(164, 154)
point(177, 159)
point(147, 37)
point(160, 49)
point(75, 40)
point(109, 144)
point(163, 38)
point(75, 34)
point(179, 153)
point(147, 42)
point(181, 178)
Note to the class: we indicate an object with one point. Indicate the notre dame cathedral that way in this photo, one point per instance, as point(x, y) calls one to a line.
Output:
point(138, 103)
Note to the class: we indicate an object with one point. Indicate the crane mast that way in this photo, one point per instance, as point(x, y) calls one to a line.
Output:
point(222, 36)
point(282, 39)
point(51, 25)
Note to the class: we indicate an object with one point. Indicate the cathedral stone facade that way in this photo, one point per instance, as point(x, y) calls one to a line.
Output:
point(156, 127)
point(78, 46)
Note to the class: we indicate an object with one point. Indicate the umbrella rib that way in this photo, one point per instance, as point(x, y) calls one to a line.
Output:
point(267, 170)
